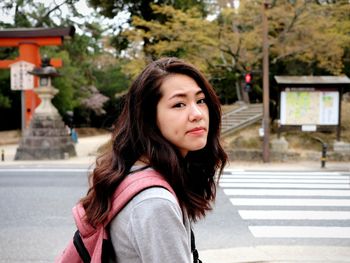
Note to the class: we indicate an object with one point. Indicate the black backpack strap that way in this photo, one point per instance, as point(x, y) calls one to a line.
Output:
point(85, 256)
point(80, 247)
point(194, 249)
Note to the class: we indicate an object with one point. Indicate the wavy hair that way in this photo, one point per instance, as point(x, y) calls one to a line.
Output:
point(136, 134)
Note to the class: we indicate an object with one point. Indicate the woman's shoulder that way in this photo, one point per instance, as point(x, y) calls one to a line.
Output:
point(153, 195)
point(153, 192)
point(151, 202)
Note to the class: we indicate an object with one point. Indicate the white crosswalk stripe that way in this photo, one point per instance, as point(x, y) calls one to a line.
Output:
point(288, 202)
point(285, 192)
point(294, 215)
point(300, 231)
point(291, 204)
point(281, 185)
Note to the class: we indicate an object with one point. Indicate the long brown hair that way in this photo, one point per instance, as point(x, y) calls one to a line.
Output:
point(136, 134)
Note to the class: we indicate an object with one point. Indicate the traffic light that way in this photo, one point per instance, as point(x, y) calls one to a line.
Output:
point(248, 82)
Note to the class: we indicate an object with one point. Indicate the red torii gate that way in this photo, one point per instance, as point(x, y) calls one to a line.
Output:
point(29, 41)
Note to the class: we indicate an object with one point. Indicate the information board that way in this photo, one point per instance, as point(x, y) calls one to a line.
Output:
point(309, 107)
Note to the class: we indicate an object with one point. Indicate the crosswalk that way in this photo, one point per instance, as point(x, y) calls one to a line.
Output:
point(291, 204)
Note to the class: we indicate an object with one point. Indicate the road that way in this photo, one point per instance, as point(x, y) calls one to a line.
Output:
point(252, 209)
point(35, 205)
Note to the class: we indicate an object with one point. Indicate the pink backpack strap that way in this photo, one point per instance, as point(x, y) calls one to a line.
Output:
point(133, 184)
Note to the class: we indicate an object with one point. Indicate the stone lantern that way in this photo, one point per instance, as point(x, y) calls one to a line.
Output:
point(45, 91)
point(46, 136)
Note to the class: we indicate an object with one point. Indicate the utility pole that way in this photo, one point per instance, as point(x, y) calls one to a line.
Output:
point(266, 94)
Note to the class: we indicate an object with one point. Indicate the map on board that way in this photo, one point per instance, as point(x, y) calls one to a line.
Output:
point(309, 107)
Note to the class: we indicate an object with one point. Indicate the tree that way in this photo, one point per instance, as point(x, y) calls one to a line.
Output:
point(296, 37)
point(239, 48)
point(111, 82)
point(210, 45)
point(182, 35)
point(31, 13)
point(141, 9)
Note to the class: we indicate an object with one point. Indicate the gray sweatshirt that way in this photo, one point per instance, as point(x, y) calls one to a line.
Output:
point(152, 229)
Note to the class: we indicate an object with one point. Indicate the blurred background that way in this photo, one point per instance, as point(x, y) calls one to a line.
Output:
point(115, 39)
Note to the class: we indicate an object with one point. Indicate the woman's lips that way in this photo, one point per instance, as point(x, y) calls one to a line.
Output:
point(197, 131)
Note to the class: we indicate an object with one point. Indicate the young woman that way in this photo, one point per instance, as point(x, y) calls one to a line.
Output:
point(170, 122)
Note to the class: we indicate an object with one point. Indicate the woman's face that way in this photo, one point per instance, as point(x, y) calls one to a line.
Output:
point(182, 113)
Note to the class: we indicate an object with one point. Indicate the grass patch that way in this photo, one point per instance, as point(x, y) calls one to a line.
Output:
point(247, 138)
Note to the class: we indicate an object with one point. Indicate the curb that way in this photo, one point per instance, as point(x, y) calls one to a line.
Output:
point(277, 254)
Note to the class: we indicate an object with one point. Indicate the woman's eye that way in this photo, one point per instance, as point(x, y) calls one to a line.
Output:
point(179, 105)
point(201, 101)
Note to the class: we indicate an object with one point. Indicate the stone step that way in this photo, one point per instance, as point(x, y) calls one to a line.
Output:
point(239, 118)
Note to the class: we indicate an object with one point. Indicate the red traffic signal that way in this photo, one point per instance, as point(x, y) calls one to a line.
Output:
point(248, 78)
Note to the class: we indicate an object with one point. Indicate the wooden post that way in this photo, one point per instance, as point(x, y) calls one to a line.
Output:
point(266, 94)
point(339, 115)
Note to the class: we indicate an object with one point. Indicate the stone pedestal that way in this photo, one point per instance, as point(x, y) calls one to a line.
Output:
point(341, 147)
point(46, 137)
point(279, 145)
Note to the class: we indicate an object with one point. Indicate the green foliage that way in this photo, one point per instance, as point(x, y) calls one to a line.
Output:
point(69, 85)
point(182, 35)
point(296, 36)
point(5, 101)
point(110, 80)
point(239, 48)
point(224, 83)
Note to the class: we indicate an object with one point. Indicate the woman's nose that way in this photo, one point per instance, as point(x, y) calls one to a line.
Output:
point(195, 113)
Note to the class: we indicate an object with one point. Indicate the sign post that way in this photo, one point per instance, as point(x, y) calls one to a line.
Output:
point(21, 80)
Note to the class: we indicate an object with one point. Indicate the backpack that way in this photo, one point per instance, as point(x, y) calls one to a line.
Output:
point(91, 244)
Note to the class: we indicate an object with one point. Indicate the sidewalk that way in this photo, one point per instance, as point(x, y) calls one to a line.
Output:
point(87, 147)
point(274, 254)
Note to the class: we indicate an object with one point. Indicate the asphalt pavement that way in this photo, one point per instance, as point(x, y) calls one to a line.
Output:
point(87, 148)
